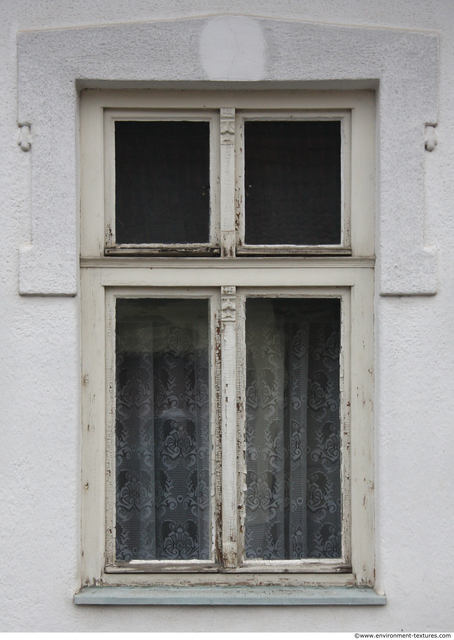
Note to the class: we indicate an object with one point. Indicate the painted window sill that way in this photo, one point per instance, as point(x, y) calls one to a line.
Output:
point(225, 596)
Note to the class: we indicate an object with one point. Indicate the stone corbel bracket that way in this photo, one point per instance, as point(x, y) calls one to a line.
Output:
point(209, 52)
point(24, 139)
point(431, 137)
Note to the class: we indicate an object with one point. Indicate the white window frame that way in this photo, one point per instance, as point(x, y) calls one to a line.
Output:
point(227, 280)
point(342, 116)
point(306, 565)
point(113, 115)
point(213, 296)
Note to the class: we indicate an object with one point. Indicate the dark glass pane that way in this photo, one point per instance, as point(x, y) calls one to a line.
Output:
point(293, 182)
point(293, 498)
point(162, 174)
point(162, 430)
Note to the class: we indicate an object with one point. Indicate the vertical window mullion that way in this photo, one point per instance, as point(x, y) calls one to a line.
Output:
point(229, 419)
point(227, 153)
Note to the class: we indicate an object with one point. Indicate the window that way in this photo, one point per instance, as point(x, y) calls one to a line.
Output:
point(227, 255)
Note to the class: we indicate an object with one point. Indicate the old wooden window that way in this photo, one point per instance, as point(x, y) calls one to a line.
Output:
point(227, 255)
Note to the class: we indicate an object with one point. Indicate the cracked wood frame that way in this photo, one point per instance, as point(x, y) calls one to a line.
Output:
point(227, 154)
point(111, 116)
point(288, 115)
point(227, 442)
point(342, 564)
point(226, 281)
point(354, 286)
point(212, 295)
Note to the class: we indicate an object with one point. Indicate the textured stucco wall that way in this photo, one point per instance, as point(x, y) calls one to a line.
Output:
point(39, 447)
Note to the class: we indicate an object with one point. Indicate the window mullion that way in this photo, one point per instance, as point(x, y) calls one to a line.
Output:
point(229, 418)
point(227, 145)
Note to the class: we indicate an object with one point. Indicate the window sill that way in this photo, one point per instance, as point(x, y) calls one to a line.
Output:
point(225, 596)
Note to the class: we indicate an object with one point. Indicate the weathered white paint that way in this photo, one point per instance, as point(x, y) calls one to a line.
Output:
point(227, 162)
point(40, 376)
point(227, 177)
point(101, 459)
point(366, 166)
point(228, 417)
point(108, 161)
point(324, 276)
point(364, 569)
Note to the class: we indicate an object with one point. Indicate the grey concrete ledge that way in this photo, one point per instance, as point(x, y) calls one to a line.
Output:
point(225, 596)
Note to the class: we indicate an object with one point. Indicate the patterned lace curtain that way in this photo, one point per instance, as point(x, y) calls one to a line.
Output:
point(162, 430)
point(293, 505)
point(293, 501)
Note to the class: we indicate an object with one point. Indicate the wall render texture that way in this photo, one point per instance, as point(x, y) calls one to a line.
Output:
point(45, 58)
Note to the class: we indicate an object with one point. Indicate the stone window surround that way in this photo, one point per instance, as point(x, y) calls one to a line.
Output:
point(226, 52)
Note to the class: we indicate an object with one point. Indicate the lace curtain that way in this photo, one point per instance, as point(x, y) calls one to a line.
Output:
point(162, 430)
point(293, 501)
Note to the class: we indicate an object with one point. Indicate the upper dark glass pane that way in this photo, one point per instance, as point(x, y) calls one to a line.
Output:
point(293, 182)
point(162, 173)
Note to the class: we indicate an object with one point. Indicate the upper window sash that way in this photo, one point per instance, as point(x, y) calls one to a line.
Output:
point(354, 110)
point(304, 116)
point(211, 191)
point(226, 191)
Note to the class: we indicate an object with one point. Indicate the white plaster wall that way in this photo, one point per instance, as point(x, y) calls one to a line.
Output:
point(39, 444)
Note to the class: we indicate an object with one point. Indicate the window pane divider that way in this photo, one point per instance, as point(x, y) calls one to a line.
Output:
point(227, 146)
point(228, 411)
